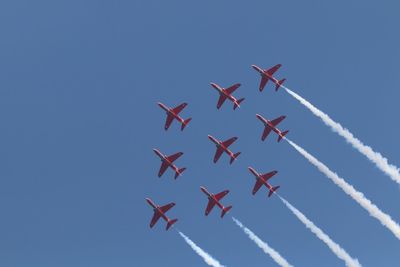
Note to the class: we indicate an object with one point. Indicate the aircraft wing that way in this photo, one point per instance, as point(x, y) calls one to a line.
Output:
point(266, 132)
point(210, 206)
point(263, 82)
point(229, 141)
point(272, 70)
point(268, 176)
point(221, 100)
point(218, 154)
point(155, 218)
point(179, 108)
point(175, 156)
point(163, 168)
point(277, 120)
point(168, 122)
point(220, 195)
point(167, 207)
point(232, 89)
point(257, 186)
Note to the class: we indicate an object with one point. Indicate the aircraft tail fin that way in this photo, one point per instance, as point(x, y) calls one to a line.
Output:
point(179, 172)
point(233, 158)
point(282, 135)
point(237, 104)
point(280, 82)
point(184, 123)
point(170, 223)
point(225, 210)
point(272, 190)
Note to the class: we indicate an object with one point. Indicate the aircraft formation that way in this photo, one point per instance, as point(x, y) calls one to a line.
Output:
point(222, 147)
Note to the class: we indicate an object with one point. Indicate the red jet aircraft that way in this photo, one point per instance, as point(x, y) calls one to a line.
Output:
point(214, 200)
point(223, 147)
point(159, 211)
point(167, 161)
point(261, 179)
point(271, 125)
point(226, 93)
point(268, 75)
point(172, 113)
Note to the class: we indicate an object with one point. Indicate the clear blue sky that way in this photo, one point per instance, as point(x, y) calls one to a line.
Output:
point(78, 121)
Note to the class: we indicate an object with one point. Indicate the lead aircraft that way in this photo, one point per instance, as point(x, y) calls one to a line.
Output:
point(222, 146)
point(262, 179)
point(167, 161)
point(226, 93)
point(159, 212)
point(267, 75)
point(172, 113)
point(271, 126)
point(214, 200)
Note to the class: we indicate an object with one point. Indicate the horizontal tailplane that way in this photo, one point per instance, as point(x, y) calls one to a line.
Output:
point(184, 123)
point(225, 210)
point(282, 135)
point(179, 172)
point(237, 104)
point(272, 190)
point(279, 84)
point(233, 158)
point(170, 223)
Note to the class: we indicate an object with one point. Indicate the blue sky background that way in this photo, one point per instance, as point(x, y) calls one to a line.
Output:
point(78, 121)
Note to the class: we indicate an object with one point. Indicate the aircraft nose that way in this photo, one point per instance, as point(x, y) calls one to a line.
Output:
point(161, 105)
point(214, 85)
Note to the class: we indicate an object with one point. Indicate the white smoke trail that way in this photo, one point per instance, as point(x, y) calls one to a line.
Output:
point(264, 246)
point(380, 161)
point(335, 248)
point(206, 257)
point(373, 210)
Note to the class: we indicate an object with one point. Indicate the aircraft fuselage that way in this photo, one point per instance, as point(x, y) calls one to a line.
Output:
point(157, 209)
point(211, 197)
point(265, 74)
point(222, 91)
point(268, 124)
point(259, 177)
point(220, 145)
point(165, 159)
point(169, 111)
